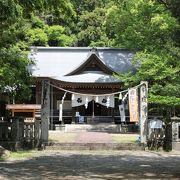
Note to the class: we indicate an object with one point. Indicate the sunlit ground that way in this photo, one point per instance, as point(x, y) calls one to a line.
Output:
point(70, 137)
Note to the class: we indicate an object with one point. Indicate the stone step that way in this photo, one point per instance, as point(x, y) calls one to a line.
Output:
point(94, 146)
point(111, 128)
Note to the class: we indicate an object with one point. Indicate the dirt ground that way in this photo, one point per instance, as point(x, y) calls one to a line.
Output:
point(93, 165)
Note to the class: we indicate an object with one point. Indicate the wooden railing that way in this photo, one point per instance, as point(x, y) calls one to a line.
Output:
point(17, 133)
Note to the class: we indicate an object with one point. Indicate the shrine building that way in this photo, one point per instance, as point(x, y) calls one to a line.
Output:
point(82, 82)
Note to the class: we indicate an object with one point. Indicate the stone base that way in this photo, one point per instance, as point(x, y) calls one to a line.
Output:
point(94, 146)
point(176, 146)
point(103, 127)
point(4, 153)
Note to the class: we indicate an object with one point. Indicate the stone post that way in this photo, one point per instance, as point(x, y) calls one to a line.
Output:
point(45, 111)
point(143, 111)
point(37, 131)
point(15, 134)
point(15, 130)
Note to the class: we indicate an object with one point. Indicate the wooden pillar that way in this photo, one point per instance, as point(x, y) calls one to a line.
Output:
point(143, 111)
point(112, 113)
point(45, 111)
point(34, 113)
point(52, 107)
point(12, 112)
point(74, 109)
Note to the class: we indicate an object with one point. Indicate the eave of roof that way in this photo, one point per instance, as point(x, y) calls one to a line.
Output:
point(90, 77)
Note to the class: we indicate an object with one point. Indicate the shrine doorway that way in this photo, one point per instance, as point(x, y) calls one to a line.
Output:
point(93, 109)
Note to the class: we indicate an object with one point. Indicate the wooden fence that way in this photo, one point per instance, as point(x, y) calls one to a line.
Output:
point(16, 133)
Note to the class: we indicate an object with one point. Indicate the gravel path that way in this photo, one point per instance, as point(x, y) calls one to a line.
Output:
point(93, 137)
point(90, 165)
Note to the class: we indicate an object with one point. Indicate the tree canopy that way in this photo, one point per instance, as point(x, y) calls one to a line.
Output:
point(15, 26)
point(151, 28)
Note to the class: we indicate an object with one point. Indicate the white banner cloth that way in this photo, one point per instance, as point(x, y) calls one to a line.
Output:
point(79, 100)
point(133, 105)
point(107, 101)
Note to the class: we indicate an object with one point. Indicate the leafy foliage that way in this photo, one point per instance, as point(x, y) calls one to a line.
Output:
point(17, 32)
point(149, 27)
point(13, 74)
point(91, 29)
point(140, 24)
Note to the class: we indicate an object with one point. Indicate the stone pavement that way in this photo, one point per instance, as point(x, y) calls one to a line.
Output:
point(93, 137)
point(93, 165)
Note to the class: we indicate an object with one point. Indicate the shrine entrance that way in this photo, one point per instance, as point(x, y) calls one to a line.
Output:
point(94, 113)
point(93, 109)
point(92, 104)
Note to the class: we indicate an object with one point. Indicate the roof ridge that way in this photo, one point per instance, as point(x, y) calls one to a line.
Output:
point(92, 52)
point(77, 48)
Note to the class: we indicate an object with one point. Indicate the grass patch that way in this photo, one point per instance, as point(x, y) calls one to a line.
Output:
point(124, 138)
point(24, 154)
point(18, 155)
point(62, 137)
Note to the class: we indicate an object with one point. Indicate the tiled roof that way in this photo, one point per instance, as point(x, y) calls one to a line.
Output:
point(56, 62)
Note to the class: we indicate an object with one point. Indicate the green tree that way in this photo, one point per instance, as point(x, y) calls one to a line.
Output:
point(37, 37)
point(91, 29)
point(141, 24)
point(57, 37)
point(149, 28)
point(42, 34)
point(14, 76)
point(15, 21)
point(174, 7)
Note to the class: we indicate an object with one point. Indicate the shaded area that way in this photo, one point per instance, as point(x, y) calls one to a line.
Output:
point(119, 61)
point(71, 165)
